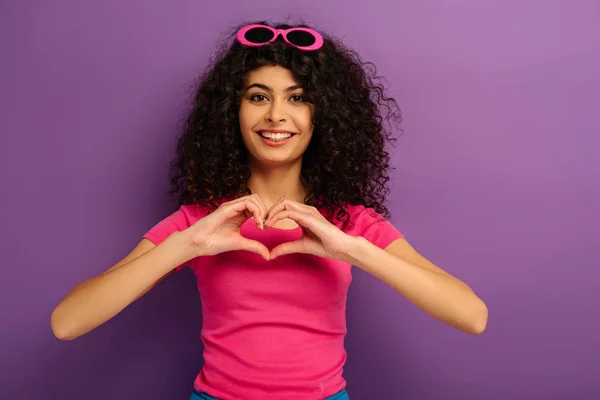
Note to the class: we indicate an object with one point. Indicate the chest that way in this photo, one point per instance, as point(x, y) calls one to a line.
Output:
point(241, 280)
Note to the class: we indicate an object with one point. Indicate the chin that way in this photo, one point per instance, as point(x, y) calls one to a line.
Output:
point(275, 161)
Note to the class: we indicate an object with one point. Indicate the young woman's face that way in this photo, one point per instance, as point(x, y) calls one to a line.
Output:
point(272, 107)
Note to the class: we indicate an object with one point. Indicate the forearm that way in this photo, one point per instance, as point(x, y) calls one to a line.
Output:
point(441, 296)
point(100, 298)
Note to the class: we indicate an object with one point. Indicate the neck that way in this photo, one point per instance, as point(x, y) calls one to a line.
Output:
point(271, 183)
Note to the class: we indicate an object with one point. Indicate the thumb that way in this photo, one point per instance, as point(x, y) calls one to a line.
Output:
point(254, 247)
point(288, 248)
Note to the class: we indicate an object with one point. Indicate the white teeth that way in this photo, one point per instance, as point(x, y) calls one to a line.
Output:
point(276, 136)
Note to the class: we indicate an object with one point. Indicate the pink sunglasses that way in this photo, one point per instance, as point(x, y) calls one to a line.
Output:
point(258, 35)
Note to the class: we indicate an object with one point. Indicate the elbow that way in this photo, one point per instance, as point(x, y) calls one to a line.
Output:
point(60, 328)
point(63, 335)
point(479, 319)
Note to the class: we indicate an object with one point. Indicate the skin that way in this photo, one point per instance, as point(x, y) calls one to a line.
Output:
point(270, 100)
point(273, 99)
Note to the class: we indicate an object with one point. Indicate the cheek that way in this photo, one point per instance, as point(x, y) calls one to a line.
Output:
point(243, 117)
point(248, 116)
point(305, 119)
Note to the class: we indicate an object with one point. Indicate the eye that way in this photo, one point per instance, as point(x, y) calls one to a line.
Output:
point(297, 98)
point(259, 98)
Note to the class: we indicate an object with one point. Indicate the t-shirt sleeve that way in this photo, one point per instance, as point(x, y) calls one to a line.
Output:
point(176, 222)
point(373, 227)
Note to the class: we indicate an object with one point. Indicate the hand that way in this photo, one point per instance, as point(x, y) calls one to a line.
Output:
point(219, 231)
point(320, 237)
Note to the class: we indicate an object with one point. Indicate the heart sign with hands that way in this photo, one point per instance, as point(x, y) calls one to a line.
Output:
point(320, 237)
point(219, 231)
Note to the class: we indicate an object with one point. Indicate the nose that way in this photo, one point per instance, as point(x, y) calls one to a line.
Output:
point(275, 113)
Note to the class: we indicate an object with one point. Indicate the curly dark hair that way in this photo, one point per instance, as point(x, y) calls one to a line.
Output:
point(346, 161)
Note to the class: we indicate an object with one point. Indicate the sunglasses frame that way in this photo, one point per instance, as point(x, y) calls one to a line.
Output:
point(241, 36)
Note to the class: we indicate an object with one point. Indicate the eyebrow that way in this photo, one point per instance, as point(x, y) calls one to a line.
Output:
point(268, 89)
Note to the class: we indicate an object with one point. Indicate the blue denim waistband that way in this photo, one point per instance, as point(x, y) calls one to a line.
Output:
point(341, 395)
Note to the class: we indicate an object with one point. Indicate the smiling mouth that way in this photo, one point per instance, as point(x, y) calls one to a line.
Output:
point(278, 136)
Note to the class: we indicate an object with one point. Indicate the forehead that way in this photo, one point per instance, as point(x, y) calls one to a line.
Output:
point(273, 76)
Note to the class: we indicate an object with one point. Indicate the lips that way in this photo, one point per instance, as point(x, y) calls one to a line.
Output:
point(274, 131)
point(275, 142)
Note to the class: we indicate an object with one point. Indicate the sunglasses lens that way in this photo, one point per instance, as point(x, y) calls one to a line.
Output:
point(259, 35)
point(301, 38)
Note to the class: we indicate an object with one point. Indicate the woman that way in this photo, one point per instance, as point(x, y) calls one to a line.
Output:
point(281, 173)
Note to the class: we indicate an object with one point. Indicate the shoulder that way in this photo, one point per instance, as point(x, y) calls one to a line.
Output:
point(360, 217)
point(180, 219)
point(369, 224)
point(192, 212)
point(359, 211)
point(186, 215)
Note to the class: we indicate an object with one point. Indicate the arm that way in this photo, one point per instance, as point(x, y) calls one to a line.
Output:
point(399, 265)
point(185, 234)
point(424, 284)
point(98, 299)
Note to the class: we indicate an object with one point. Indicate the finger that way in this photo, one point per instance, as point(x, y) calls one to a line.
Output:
point(261, 204)
point(259, 216)
point(302, 218)
point(269, 211)
point(253, 198)
point(234, 208)
point(275, 208)
point(315, 211)
point(253, 208)
point(254, 247)
point(284, 204)
point(296, 246)
point(259, 210)
point(275, 204)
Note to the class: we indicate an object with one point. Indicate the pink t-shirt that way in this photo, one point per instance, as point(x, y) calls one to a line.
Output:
point(273, 329)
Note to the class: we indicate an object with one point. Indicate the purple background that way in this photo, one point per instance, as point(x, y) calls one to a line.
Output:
point(496, 182)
